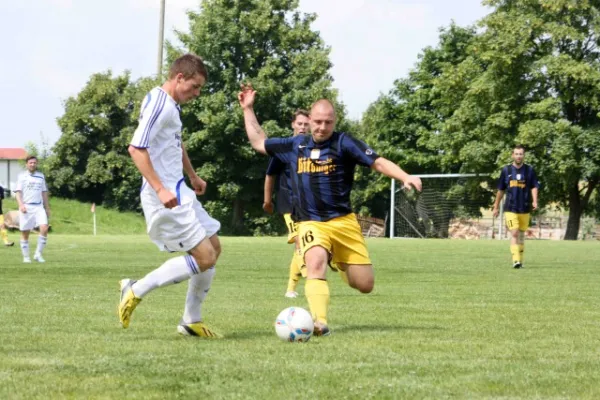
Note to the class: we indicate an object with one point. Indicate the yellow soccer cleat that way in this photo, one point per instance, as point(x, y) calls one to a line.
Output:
point(198, 329)
point(128, 302)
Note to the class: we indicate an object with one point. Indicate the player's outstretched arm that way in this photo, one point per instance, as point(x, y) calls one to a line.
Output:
point(141, 159)
point(255, 133)
point(388, 168)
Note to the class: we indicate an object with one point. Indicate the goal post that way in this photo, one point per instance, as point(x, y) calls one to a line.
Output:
point(450, 205)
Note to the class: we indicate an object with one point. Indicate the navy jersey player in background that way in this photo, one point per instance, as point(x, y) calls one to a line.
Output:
point(279, 173)
point(521, 185)
point(322, 169)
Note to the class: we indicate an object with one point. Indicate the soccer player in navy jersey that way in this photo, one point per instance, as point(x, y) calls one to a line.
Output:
point(322, 173)
point(278, 172)
point(521, 185)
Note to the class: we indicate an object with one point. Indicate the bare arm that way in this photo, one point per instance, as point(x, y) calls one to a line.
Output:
point(255, 133)
point(187, 164)
point(268, 193)
point(46, 203)
point(141, 159)
point(499, 197)
point(19, 196)
point(198, 183)
point(534, 195)
point(388, 168)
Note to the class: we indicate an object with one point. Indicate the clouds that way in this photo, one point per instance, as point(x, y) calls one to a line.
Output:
point(56, 45)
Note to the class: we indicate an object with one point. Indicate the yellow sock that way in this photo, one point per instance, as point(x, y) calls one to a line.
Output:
point(521, 251)
point(516, 254)
point(4, 234)
point(295, 265)
point(317, 294)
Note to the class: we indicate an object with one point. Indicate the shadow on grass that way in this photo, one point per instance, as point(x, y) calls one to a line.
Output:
point(343, 329)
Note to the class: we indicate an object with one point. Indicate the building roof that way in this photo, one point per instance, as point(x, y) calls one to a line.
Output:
point(14, 153)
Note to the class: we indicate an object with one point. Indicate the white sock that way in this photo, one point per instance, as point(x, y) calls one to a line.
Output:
point(175, 270)
point(41, 244)
point(198, 288)
point(25, 248)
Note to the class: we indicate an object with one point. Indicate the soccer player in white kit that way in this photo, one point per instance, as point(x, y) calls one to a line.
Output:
point(34, 209)
point(175, 219)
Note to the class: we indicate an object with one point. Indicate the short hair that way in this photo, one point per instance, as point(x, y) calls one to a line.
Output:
point(519, 147)
point(300, 111)
point(188, 65)
point(30, 158)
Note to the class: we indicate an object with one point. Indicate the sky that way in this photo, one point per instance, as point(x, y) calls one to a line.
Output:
point(56, 45)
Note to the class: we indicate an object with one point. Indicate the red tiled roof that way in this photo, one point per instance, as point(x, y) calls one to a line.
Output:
point(13, 153)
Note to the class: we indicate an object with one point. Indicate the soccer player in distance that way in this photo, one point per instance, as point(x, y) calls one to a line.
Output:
point(34, 208)
point(277, 169)
point(175, 219)
point(3, 231)
point(322, 169)
point(521, 185)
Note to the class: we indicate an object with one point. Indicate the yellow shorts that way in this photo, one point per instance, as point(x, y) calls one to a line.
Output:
point(340, 236)
point(292, 227)
point(516, 221)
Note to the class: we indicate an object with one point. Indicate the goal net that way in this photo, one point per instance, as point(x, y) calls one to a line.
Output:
point(450, 206)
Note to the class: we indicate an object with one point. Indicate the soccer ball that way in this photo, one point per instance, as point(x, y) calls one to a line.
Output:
point(294, 324)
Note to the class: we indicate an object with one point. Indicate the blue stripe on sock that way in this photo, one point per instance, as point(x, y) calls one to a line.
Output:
point(192, 264)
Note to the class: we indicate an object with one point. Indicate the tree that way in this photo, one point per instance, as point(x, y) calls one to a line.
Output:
point(402, 124)
point(90, 162)
point(532, 77)
point(270, 44)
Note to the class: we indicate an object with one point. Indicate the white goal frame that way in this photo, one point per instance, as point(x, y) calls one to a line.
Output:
point(393, 192)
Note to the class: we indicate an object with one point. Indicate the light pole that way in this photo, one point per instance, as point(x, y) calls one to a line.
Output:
point(161, 38)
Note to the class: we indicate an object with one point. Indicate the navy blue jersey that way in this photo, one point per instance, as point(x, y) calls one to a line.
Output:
point(518, 182)
point(1, 198)
point(283, 187)
point(321, 174)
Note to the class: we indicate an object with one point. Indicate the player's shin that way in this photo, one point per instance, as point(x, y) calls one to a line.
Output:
point(41, 244)
point(25, 248)
point(198, 288)
point(173, 271)
point(317, 295)
point(295, 274)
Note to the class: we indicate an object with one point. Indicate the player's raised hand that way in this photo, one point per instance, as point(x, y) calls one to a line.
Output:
point(168, 199)
point(413, 182)
point(246, 96)
point(198, 184)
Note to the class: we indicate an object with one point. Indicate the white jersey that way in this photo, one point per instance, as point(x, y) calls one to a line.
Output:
point(31, 187)
point(159, 131)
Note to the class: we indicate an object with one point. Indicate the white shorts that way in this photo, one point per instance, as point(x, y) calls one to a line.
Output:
point(180, 228)
point(35, 216)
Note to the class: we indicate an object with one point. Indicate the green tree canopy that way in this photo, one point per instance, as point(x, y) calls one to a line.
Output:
point(90, 162)
point(270, 44)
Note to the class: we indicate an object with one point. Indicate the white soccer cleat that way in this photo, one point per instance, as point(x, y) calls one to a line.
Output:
point(291, 295)
point(27, 260)
point(38, 258)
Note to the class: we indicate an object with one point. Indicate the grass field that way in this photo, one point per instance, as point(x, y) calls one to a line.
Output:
point(448, 319)
point(75, 218)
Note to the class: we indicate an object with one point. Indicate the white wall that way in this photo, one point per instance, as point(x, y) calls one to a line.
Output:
point(9, 171)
